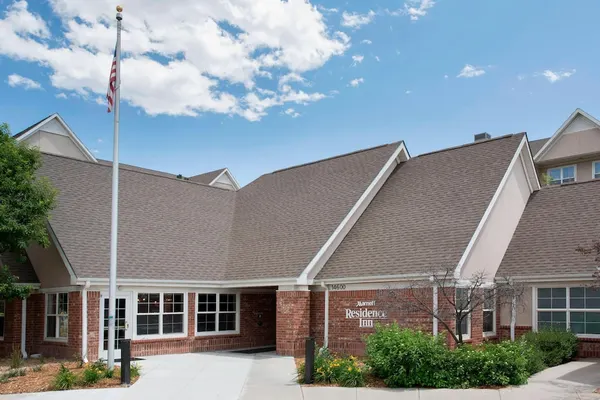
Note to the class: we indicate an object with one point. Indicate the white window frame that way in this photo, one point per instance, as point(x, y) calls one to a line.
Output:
point(161, 313)
point(493, 310)
point(3, 315)
point(56, 315)
point(594, 164)
point(465, 335)
point(568, 310)
point(561, 168)
point(216, 332)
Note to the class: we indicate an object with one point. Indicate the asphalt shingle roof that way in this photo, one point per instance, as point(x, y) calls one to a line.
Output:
point(172, 229)
point(555, 222)
point(536, 145)
point(21, 268)
point(206, 177)
point(425, 214)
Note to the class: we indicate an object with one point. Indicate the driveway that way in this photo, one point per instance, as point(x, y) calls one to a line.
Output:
point(224, 376)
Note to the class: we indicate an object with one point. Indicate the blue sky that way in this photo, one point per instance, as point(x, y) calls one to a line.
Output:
point(187, 107)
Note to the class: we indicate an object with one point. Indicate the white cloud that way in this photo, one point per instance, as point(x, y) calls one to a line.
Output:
point(61, 96)
point(470, 71)
point(408, 92)
point(100, 140)
point(415, 9)
point(355, 82)
point(377, 58)
point(555, 76)
point(292, 113)
point(184, 59)
point(326, 10)
point(356, 20)
point(15, 80)
point(95, 151)
point(253, 107)
point(366, 41)
point(357, 59)
point(521, 77)
point(291, 77)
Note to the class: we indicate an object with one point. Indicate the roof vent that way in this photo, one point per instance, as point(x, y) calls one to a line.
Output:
point(482, 136)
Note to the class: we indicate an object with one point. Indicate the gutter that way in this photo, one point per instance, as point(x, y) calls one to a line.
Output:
point(84, 322)
point(326, 322)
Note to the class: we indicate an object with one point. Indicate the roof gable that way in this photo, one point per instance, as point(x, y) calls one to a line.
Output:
point(50, 126)
point(578, 121)
point(222, 178)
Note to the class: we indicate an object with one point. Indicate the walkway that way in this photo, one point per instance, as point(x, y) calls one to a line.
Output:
point(233, 376)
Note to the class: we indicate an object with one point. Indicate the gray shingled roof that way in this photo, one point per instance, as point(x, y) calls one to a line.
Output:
point(556, 220)
point(282, 219)
point(138, 169)
point(168, 228)
point(207, 177)
point(22, 269)
point(536, 145)
point(425, 214)
point(180, 230)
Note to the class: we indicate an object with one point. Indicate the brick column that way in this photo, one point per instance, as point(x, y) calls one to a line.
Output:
point(293, 321)
point(93, 325)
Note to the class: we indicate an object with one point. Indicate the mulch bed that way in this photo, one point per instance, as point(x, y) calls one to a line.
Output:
point(41, 381)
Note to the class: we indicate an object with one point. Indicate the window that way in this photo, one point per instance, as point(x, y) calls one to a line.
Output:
point(462, 303)
point(596, 170)
point(489, 313)
point(562, 175)
point(2, 310)
point(160, 314)
point(57, 316)
point(217, 313)
point(575, 308)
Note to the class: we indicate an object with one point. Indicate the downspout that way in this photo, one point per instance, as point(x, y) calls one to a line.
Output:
point(513, 317)
point(435, 310)
point(84, 322)
point(23, 327)
point(326, 324)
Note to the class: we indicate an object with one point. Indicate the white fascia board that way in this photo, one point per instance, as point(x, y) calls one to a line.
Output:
point(226, 171)
point(553, 278)
point(527, 157)
point(373, 279)
point(488, 211)
point(191, 284)
point(72, 134)
point(325, 252)
point(548, 145)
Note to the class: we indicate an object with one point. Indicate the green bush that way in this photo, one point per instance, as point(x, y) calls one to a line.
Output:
point(91, 375)
point(406, 358)
point(16, 358)
point(345, 371)
point(37, 368)
point(556, 347)
point(135, 370)
point(65, 379)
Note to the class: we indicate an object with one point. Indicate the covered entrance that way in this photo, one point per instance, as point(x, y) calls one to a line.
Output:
point(123, 319)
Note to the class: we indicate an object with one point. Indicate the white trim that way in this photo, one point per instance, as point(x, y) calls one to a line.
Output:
point(538, 185)
point(190, 284)
point(326, 317)
point(375, 278)
point(23, 327)
point(63, 256)
point(84, 325)
point(594, 163)
point(513, 317)
point(553, 278)
point(216, 332)
point(74, 137)
point(488, 211)
point(435, 310)
point(548, 145)
point(494, 331)
point(57, 316)
point(63, 289)
point(129, 314)
point(319, 260)
point(226, 171)
point(160, 314)
point(561, 173)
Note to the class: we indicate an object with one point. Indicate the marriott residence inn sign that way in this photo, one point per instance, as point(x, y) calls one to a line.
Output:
point(365, 313)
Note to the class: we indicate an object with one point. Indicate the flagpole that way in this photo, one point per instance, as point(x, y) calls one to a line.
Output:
point(114, 221)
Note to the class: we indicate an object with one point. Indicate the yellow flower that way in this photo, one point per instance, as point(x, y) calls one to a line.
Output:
point(349, 368)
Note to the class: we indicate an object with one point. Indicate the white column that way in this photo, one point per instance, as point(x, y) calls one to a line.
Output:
point(84, 326)
point(23, 327)
point(513, 318)
point(435, 310)
point(326, 330)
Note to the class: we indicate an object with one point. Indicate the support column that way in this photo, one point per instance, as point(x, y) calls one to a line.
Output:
point(23, 327)
point(293, 321)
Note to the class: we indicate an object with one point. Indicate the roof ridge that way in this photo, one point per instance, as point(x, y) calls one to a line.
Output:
point(334, 157)
point(21, 132)
point(135, 171)
point(510, 135)
point(209, 172)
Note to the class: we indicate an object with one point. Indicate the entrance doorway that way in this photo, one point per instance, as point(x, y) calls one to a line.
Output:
point(122, 323)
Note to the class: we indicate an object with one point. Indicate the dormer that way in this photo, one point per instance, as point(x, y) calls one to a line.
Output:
point(221, 178)
point(52, 135)
point(572, 154)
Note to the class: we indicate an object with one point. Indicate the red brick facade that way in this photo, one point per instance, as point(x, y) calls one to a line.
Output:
point(12, 328)
point(293, 321)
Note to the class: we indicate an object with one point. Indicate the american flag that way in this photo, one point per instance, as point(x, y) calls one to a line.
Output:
point(112, 83)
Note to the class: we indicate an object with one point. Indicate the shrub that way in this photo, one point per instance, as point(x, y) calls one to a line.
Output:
point(406, 358)
point(16, 358)
point(91, 375)
point(36, 368)
point(300, 370)
point(136, 369)
point(345, 371)
point(556, 347)
point(12, 373)
point(65, 379)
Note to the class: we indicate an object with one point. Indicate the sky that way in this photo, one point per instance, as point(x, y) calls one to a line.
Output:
point(260, 85)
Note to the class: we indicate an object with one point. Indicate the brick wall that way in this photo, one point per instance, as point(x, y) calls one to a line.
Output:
point(317, 316)
point(257, 329)
point(12, 328)
point(93, 325)
point(293, 321)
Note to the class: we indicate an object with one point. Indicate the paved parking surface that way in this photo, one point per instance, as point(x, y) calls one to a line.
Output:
point(233, 376)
